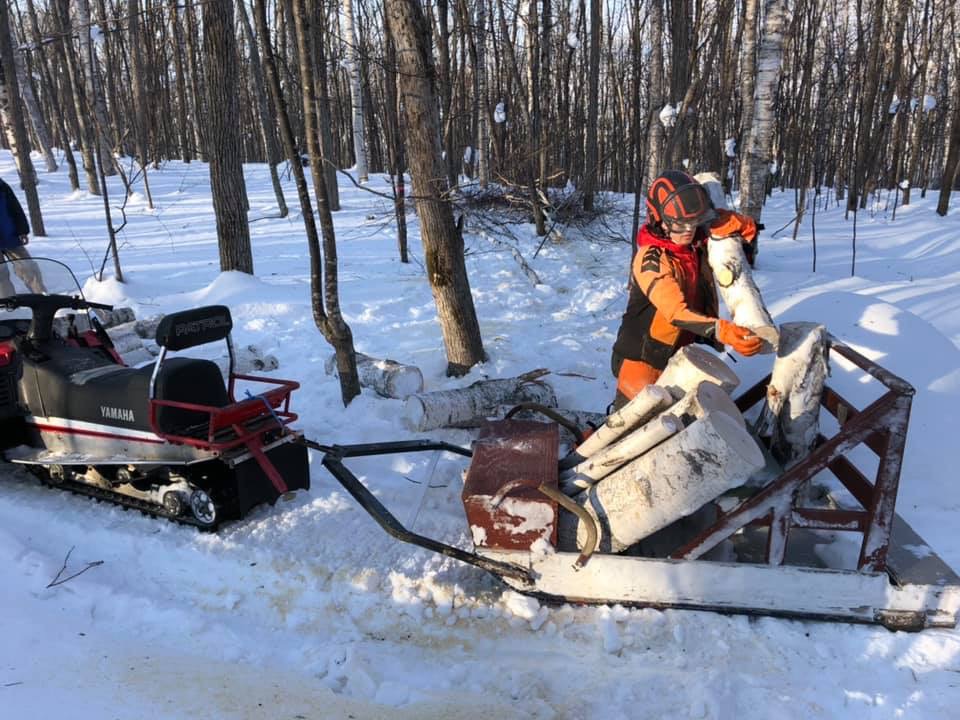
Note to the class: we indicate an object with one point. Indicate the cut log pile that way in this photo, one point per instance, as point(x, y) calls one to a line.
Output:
point(676, 446)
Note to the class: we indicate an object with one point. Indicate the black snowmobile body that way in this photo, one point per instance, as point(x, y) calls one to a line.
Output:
point(169, 438)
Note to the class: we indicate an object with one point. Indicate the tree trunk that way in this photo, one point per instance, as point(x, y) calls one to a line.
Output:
point(37, 120)
point(95, 103)
point(753, 187)
point(395, 142)
point(483, 116)
point(180, 70)
point(58, 105)
point(443, 245)
point(197, 83)
point(268, 126)
point(323, 109)
point(951, 169)
point(334, 327)
point(655, 135)
point(593, 100)
point(748, 81)
point(139, 96)
point(77, 113)
point(15, 129)
point(356, 96)
point(227, 185)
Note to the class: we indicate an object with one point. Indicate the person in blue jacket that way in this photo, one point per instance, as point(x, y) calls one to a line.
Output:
point(14, 236)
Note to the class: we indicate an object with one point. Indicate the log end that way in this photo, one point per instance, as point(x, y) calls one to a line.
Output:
point(735, 436)
point(413, 414)
point(405, 381)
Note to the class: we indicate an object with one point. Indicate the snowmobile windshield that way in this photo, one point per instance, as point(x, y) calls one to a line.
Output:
point(40, 276)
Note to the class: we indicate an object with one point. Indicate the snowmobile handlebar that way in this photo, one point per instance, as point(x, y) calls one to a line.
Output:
point(44, 307)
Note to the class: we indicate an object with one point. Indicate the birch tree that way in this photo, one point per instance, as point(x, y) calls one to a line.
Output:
point(758, 158)
point(37, 120)
point(356, 95)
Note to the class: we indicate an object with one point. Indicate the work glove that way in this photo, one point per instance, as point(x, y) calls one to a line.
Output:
point(731, 224)
point(741, 339)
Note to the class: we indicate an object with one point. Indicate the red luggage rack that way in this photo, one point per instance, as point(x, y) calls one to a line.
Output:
point(230, 426)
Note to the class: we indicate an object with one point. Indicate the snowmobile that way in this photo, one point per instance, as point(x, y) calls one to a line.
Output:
point(759, 550)
point(170, 438)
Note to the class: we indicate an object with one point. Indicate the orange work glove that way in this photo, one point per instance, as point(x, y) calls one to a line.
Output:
point(741, 339)
point(728, 224)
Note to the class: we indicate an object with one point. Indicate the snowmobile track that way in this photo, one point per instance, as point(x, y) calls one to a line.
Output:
point(126, 502)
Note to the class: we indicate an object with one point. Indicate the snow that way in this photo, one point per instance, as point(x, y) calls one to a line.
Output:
point(309, 609)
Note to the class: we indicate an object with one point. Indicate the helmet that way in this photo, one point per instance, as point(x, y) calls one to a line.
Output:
point(678, 201)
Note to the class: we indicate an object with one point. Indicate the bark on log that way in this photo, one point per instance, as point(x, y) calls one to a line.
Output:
point(690, 366)
point(469, 406)
point(732, 273)
point(791, 415)
point(676, 478)
point(703, 399)
point(387, 378)
point(648, 402)
point(615, 456)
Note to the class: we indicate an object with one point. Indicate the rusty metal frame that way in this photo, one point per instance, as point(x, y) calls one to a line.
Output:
point(881, 426)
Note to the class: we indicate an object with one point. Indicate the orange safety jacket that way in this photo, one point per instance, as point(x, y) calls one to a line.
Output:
point(672, 299)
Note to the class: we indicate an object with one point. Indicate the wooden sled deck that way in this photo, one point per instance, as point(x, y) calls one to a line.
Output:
point(756, 550)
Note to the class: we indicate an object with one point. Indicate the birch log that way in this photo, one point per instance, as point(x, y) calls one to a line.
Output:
point(791, 415)
point(676, 478)
point(692, 365)
point(468, 406)
point(703, 399)
point(733, 276)
point(647, 403)
point(615, 456)
point(386, 377)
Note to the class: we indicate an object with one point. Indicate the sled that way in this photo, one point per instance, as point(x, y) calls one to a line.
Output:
point(170, 438)
point(755, 551)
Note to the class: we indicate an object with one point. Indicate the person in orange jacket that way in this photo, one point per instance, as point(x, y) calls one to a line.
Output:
point(673, 300)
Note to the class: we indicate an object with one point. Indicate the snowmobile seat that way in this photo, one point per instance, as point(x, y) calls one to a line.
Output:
point(115, 395)
point(188, 380)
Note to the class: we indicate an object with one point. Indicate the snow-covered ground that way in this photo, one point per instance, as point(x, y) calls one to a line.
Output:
point(308, 610)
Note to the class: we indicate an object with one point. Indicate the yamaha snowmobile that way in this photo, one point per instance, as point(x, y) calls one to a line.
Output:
point(170, 438)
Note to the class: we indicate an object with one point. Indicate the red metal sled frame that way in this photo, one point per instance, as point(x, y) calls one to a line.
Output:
point(881, 426)
point(234, 416)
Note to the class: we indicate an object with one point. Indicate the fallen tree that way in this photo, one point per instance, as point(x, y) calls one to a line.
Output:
point(470, 406)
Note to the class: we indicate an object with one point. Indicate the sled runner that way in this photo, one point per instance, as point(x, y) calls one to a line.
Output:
point(170, 438)
point(759, 549)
